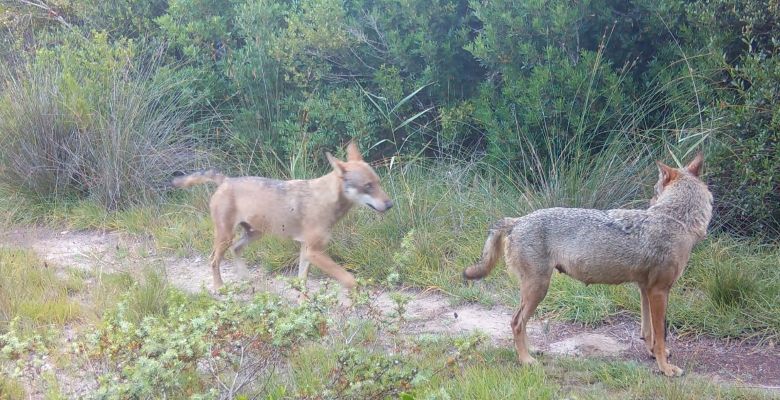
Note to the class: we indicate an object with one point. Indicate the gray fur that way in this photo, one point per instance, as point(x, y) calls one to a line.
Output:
point(650, 247)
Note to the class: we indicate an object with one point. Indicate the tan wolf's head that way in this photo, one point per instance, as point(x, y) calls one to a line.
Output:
point(668, 175)
point(360, 182)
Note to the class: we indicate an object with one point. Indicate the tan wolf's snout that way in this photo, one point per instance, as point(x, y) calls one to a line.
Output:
point(303, 210)
point(648, 247)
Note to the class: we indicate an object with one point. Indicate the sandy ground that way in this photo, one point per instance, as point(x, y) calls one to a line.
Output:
point(744, 363)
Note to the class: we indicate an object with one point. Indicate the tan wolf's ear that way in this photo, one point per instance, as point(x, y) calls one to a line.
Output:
point(695, 166)
point(666, 173)
point(353, 153)
point(337, 164)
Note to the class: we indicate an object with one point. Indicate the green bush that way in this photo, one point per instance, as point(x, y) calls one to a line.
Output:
point(744, 168)
point(361, 375)
point(205, 348)
point(452, 79)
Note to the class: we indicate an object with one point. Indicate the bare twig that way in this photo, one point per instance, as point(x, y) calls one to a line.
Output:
point(50, 11)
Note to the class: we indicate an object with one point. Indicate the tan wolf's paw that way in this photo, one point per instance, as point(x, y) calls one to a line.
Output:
point(344, 302)
point(651, 354)
point(529, 361)
point(302, 298)
point(672, 370)
point(242, 271)
point(349, 282)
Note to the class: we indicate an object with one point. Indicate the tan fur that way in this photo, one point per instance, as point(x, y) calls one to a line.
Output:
point(303, 210)
point(649, 247)
point(199, 178)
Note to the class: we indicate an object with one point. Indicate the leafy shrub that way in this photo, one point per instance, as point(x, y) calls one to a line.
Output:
point(206, 349)
point(26, 350)
point(743, 171)
point(294, 78)
point(360, 375)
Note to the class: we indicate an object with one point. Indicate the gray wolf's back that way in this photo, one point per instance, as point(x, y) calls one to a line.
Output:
point(586, 240)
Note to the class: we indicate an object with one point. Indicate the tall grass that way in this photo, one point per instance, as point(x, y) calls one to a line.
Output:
point(123, 153)
point(35, 156)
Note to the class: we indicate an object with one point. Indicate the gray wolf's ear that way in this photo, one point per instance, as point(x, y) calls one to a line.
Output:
point(666, 173)
point(353, 153)
point(337, 164)
point(695, 166)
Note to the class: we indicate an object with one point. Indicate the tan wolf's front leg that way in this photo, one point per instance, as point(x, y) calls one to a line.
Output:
point(647, 330)
point(658, 299)
point(330, 267)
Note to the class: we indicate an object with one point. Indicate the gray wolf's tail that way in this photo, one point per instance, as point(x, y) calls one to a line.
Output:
point(492, 250)
point(198, 178)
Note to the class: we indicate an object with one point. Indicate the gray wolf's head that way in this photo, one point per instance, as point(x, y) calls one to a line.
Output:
point(668, 176)
point(360, 182)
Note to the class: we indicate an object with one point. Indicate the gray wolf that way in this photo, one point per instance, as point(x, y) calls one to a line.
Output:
point(303, 210)
point(648, 247)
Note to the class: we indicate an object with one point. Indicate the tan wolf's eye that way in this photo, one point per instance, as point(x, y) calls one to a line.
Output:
point(368, 187)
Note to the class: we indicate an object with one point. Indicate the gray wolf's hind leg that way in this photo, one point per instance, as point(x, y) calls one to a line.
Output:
point(533, 289)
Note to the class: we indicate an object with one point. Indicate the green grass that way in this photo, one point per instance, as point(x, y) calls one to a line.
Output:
point(11, 389)
point(493, 373)
point(40, 297)
point(310, 367)
point(33, 293)
point(731, 289)
point(481, 382)
point(600, 379)
point(444, 367)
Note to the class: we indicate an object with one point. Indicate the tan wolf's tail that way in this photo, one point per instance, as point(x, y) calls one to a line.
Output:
point(198, 178)
point(492, 250)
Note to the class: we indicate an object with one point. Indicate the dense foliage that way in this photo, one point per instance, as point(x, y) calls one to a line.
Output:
point(528, 84)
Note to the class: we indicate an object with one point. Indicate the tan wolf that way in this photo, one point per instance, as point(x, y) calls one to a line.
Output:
point(303, 210)
point(650, 247)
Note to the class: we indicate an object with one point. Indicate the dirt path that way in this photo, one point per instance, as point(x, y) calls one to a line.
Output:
point(427, 311)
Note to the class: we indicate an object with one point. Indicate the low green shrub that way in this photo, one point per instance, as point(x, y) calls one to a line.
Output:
point(206, 349)
point(366, 375)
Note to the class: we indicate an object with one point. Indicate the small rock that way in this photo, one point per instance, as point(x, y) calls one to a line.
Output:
point(588, 344)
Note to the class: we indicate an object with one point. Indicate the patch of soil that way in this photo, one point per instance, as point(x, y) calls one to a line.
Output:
point(426, 312)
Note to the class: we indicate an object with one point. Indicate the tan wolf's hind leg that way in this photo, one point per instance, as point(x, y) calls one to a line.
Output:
point(303, 270)
point(249, 236)
point(532, 289)
point(222, 239)
point(658, 298)
point(303, 264)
